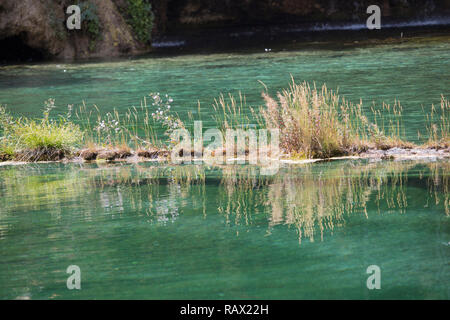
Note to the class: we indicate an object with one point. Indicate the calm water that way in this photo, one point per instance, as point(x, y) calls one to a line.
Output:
point(191, 232)
point(159, 232)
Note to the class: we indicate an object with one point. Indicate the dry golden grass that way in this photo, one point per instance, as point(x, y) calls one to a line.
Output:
point(313, 123)
point(317, 123)
point(438, 125)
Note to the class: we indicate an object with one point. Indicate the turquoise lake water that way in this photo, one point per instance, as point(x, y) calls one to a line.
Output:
point(187, 232)
point(415, 73)
point(149, 231)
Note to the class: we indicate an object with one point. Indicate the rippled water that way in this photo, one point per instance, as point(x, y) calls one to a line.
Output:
point(415, 72)
point(193, 232)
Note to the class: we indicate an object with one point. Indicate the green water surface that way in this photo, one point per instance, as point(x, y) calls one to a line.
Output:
point(154, 231)
point(415, 72)
point(159, 232)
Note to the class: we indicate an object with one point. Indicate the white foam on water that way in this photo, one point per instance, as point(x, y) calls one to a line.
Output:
point(168, 44)
point(361, 26)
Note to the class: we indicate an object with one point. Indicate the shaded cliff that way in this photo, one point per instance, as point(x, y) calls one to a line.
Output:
point(35, 29)
point(177, 15)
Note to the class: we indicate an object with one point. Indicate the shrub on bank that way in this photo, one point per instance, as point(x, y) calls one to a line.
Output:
point(140, 18)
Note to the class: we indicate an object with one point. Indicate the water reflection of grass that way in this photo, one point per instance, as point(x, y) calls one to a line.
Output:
point(313, 199)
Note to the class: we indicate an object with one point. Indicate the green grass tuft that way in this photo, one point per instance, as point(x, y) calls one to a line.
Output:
point(36, 140)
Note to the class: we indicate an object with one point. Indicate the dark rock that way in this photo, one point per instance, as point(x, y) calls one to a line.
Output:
point(88, 155)
point(41, 154)
point(151, 153)
point(107, 155)
point(123, 154)
point(5, 157)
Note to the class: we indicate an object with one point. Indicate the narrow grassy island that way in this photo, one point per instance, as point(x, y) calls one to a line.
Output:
point(312, 123)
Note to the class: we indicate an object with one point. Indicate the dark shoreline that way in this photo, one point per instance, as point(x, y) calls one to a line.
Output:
point(254, 39)
point(287, 37)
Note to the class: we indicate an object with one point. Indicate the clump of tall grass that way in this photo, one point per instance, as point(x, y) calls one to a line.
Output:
point(43, 139)
point(438, 125)
point(313, 123)
point(318, 123)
